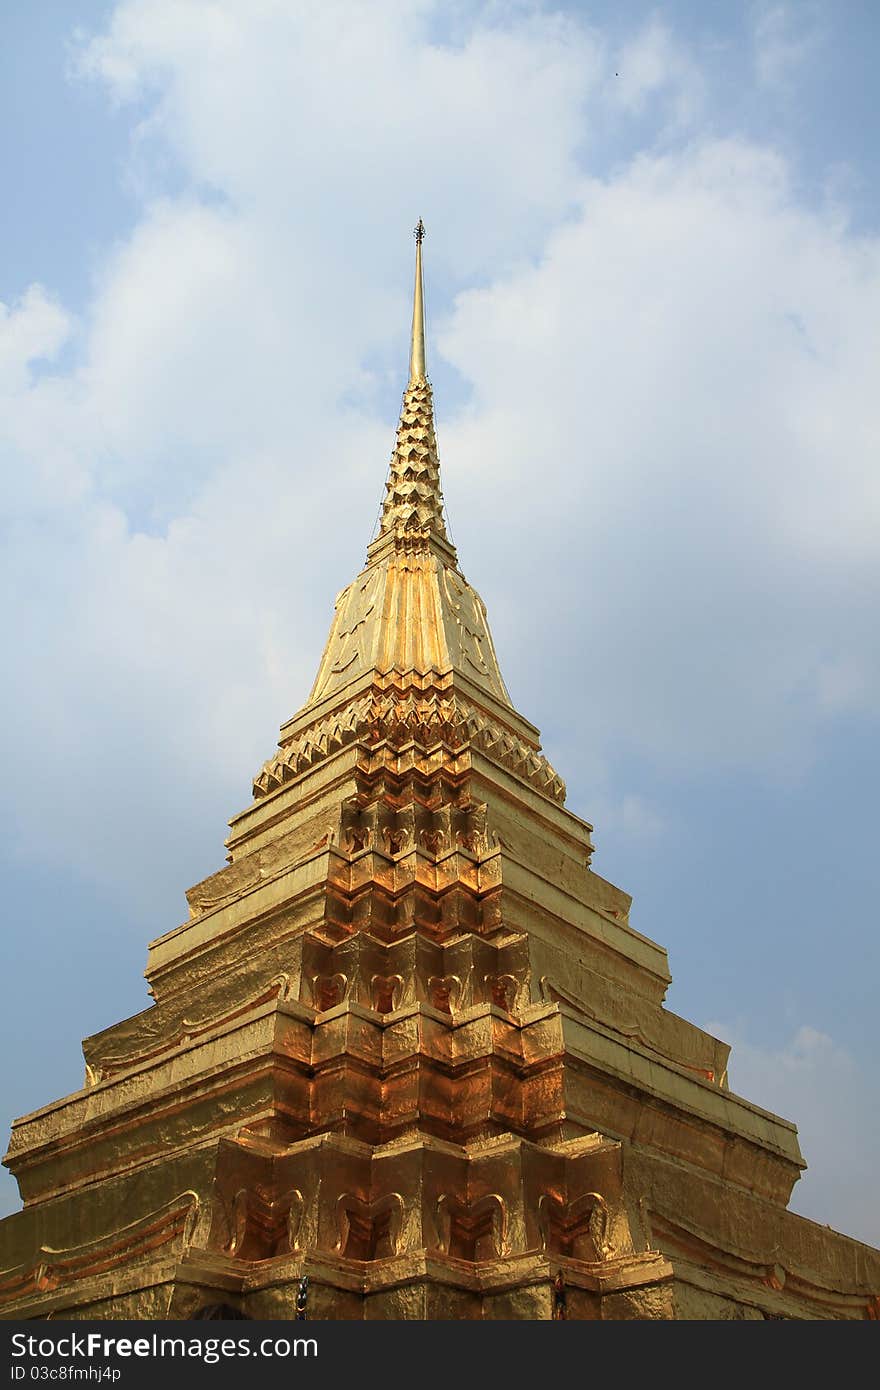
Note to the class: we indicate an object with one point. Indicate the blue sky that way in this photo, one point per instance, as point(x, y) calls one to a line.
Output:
point(653, 265)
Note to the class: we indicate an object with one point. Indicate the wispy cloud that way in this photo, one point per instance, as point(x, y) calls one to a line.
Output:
point(653, 66)
point(786, 37)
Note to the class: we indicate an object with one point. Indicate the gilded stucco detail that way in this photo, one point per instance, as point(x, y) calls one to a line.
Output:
point(413, 499)
point(409, 610)
point(404, 717)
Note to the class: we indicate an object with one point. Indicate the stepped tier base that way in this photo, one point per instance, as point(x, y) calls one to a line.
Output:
point(153, 1201)
point(408, 1045)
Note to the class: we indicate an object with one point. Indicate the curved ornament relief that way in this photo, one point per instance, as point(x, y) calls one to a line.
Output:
point(370, 1228)
point(460, 1225)
point(563, 1224)
point(52, 1266)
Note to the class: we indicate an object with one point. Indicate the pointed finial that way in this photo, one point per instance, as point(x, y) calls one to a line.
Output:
point(417, 349)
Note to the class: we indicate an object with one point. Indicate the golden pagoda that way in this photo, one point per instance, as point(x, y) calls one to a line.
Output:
point(407, 1058)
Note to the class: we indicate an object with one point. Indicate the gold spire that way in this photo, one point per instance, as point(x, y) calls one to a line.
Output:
point(417, 348)
point(413, 505)
point(411, 610)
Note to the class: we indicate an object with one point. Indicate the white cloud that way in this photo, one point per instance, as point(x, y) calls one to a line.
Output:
point(673, 414)
point(33, 330)
point(345, 119)
point(39, 433)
